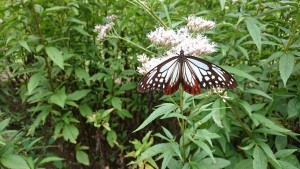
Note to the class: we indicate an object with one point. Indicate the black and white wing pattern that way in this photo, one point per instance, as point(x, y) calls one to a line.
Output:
point(165, 77)
point(191, 72)
point(197, 72)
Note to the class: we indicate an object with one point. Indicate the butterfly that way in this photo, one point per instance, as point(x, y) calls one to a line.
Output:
point(193, 73)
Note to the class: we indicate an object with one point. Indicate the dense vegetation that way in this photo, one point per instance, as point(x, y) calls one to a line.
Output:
point(69, 100)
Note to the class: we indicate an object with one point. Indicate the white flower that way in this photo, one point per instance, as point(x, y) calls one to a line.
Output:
point(197, 23)
point(103, 29)
point(142, 58)
point(163, 37)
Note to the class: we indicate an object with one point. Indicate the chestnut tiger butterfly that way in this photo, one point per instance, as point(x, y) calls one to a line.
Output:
point(191, 72)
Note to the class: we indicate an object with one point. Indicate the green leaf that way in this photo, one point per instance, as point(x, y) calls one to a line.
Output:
point(85, 110)
point(293, 107)
point(116, 103)
point(284, 153)
point(260, 159)
point(222, 3)
point(268, 151)
point(217, 163)
point(287, 165)
point(280, 142)
point(25, 45)
point(50, 159)
point(82, 157)
point(4, 123)
point(258, 92)
point(254, 31)
point(128, 86)
point(246, 106)
point(111, 138)
point(80, 30)
point(70, 133)
point(56, 9)
point(34, 81)
point(286, 65)
point(163, 109)
point(14, 161)
point(270, 124)
point(77, 95)
point(246, 164)
point(56, 56)
point(216, 113)
point(59, 98)
point(83, 74)
point(240, 73)
point(154, 150)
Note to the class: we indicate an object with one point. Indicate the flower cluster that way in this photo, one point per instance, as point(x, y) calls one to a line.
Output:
point(184, 39)
point(197, 23)
point(103, 29)
point(148, 64)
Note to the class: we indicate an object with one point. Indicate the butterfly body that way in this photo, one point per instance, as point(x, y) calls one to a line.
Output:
point(191, 72)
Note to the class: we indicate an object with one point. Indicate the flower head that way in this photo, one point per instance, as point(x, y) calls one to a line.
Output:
point(177, 40)
point(103, 29)
point(197, 23)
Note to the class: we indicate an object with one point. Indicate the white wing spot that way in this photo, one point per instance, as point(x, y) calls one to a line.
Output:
point(156, 79)
point(204, 84)
point(206, 78)
point(213, 77)
point(219, 78)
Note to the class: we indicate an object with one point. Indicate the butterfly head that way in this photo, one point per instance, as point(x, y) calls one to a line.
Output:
point(181, 52)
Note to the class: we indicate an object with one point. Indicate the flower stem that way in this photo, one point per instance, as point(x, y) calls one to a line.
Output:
point(182, 122)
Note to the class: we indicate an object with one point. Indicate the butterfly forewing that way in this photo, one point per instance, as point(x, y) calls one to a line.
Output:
point(163, 76)
point(192, 72)
point(210, 75)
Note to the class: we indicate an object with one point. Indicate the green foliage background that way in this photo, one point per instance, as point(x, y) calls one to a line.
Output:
point(68, 100)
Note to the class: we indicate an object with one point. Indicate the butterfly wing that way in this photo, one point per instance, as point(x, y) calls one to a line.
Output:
point(208, 75)
point(164, 76)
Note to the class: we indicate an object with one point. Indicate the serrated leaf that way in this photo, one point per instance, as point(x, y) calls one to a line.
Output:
point(163, 109)
point(270, 124)
point(254, 32)
point(34, 81)
point(258, 92)
point(24, 44)
point(82, 157)
point(284, 152)
point(293, 108)
point(216, 113)
point(56, 56)
point(154, 150)
point(77, 95)
point(116, 103)
point(260, 159)
point(265, 147)
point(70, 133)
point(59, 98)
point(14, 161)
point(286, 65)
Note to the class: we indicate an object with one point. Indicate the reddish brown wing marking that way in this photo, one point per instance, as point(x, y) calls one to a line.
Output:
point(190, 83)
